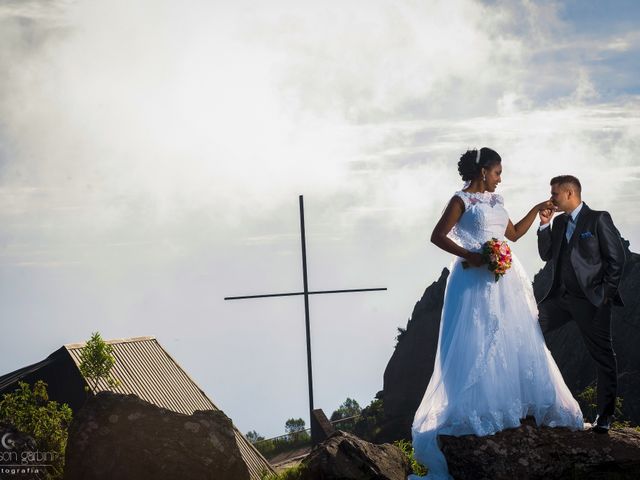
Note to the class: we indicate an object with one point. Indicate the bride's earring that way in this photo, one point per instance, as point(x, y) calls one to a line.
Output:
point(484, 178)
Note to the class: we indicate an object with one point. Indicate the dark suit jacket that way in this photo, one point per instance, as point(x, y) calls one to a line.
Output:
point(595, 250)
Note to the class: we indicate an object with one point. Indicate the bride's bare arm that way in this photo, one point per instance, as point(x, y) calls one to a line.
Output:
point(514, 232)
point(439, 238)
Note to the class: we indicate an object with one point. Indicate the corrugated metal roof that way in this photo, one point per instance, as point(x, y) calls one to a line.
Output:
point(144, 368)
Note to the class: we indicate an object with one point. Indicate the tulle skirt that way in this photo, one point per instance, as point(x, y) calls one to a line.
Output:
point(492, 367)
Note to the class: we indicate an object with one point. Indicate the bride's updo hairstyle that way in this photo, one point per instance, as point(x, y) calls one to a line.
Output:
point(471, 162)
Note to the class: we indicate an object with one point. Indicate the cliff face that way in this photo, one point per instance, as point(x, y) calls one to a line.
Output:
point(411, 365)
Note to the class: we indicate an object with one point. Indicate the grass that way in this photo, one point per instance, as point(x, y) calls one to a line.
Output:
point(291, 473)
point(407, 449)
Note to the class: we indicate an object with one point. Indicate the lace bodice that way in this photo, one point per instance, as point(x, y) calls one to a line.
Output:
point(484, 218)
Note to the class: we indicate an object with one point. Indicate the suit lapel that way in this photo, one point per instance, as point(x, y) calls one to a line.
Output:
point(582, 219)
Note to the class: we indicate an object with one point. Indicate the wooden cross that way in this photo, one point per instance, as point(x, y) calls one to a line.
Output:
point(306, 294)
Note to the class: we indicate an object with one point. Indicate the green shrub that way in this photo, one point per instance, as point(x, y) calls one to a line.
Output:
point(349, 408)
point(588, 404)
point(292, 473)
point(32, 413)
point(96, 362)
point(369, 424)
point(407, 449)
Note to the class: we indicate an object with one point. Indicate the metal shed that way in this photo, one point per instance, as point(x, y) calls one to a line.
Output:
point(142, 368)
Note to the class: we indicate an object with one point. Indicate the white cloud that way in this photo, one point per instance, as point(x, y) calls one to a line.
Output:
point(151, 154)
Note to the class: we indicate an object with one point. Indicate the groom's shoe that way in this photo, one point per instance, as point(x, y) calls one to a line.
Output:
point(602, 424)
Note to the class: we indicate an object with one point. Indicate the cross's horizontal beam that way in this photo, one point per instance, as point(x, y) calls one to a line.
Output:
point(302, 293)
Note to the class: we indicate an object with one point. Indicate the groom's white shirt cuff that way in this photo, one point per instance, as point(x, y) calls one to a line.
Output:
point(542, 227)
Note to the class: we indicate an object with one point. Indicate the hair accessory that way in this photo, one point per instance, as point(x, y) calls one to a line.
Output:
point(478, 156)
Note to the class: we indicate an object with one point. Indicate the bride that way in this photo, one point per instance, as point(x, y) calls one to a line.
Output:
point(492, 367)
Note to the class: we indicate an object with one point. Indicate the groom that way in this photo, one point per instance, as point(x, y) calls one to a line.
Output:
point(587, 258)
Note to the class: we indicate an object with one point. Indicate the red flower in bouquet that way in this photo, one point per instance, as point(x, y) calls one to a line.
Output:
point(497, 255)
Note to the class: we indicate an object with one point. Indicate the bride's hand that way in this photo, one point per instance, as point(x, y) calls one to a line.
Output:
point(546, 205)
point(545, 216)
point(474, 259)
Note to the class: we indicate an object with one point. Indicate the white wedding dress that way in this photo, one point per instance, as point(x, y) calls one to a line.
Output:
point(492, 367)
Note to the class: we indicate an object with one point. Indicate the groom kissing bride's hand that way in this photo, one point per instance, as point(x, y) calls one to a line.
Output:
point(546, 215)
point(545, 209)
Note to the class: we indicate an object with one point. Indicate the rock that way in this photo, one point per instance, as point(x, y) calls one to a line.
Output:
point(533, 453)
point(13, 440)
point(344, 456)
point(411, 365)
point(21, 452)
point(124, 437)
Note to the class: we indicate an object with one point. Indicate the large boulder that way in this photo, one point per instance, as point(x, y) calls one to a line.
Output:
point(533, 453)
point(124, 437)
point(344, 456)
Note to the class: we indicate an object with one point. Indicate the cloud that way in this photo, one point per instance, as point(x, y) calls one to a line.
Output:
point(196, 108)
point(151, 155)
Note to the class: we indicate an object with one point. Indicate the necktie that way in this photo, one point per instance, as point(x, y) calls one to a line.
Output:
point(571, 226)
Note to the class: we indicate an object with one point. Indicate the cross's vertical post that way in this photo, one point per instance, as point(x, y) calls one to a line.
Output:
point(306, 305)
point(313, 419)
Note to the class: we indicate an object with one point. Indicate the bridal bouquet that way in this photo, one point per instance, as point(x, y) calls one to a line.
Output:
point(497, 255)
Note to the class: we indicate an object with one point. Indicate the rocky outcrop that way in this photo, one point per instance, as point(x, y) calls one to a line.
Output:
point(121, 436)
point(411, 365)
point(544, 453)
point(344, 456)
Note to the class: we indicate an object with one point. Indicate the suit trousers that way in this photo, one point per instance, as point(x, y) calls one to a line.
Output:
point(594, 324)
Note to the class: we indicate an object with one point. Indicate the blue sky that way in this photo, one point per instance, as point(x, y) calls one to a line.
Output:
point(151, 158)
